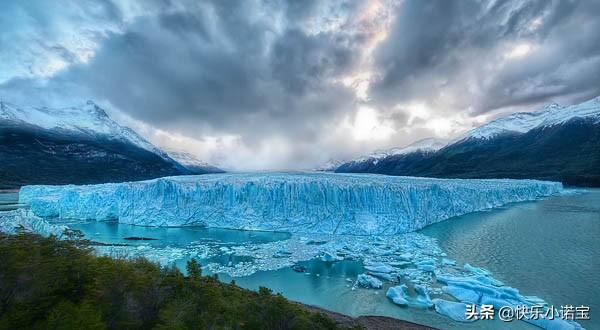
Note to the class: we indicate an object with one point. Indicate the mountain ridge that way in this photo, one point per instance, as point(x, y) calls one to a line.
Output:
point(556, 143)
point(75, 145)
point(191, 162)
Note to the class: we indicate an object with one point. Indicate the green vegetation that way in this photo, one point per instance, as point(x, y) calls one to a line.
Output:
point(46, 283)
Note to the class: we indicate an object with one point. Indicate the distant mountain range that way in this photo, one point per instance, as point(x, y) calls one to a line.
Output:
point(77, 145)
point(560, 143)
point(192, 163)
point(329, 166)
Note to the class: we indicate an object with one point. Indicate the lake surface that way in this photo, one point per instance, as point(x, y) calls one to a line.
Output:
point(9, 201)
point(549, 248)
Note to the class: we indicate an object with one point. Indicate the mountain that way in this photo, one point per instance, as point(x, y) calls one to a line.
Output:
point(192, 163)
point(549, 116)
point(422, 146)
point(78, 145)
point(559, 143)
point(369, 162)
point(329, 166)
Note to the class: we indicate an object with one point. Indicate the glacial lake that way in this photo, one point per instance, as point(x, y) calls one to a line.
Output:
point(548, 248)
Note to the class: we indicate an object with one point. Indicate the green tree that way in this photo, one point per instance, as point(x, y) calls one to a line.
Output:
point(47, 283)
point(193, 269)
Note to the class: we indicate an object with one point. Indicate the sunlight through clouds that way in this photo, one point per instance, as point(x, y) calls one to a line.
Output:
point(288, 84)
point(368, 126)
point(519, 50)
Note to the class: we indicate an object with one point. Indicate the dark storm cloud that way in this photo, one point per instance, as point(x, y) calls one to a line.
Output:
point(217, 64)
point(455, 48)
point(271, 71)
point(567, 64)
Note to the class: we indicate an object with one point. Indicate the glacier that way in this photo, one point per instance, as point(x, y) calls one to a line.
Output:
point(11, 222)
point(305, 202)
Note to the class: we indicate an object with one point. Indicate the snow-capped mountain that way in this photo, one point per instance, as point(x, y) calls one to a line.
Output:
point(551, 115)
point(424, 145)
point(421, 146)
point(88, 119)
point(80, 144)
point(191, 162)
point(560, 143)
point(329, 166)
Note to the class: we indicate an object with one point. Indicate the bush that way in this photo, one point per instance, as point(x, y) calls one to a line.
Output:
point(46, 283)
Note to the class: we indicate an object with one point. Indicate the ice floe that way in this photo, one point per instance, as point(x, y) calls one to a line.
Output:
point(368, 281)
point(452, 309)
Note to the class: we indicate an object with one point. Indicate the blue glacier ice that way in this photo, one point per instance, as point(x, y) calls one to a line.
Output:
point(330, 257)
point(368, 281)
point(13, 221)
point(379, 268)
point(452, 309)
point(324, 203)
point(398, 294)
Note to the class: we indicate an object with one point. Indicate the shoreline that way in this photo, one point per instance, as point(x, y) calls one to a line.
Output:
point(369, 322)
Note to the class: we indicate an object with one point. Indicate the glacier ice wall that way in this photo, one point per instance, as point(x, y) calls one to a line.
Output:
point(328, 203)
point(13, 221)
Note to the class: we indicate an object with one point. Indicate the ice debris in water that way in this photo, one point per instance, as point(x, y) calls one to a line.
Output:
point(383, 276)
point(452, 309)
point(379, 268)
point(324, 203)
point(411, 266)
point(477, 287)
point(398, 294)
point(330, 257)
point(391, 260)
point(368, 281)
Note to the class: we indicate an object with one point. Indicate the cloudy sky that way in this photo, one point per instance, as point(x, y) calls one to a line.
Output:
point(274, 84)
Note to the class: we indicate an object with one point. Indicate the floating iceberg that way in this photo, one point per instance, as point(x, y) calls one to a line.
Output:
point(398, 294)
point(330, 257)
point(324, 203)
point(452, 309)
point(368, 281)
point(379, 268)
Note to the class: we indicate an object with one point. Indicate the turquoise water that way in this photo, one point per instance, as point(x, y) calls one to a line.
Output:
point(9, 201)
point(549, 248)
point(110, 232)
